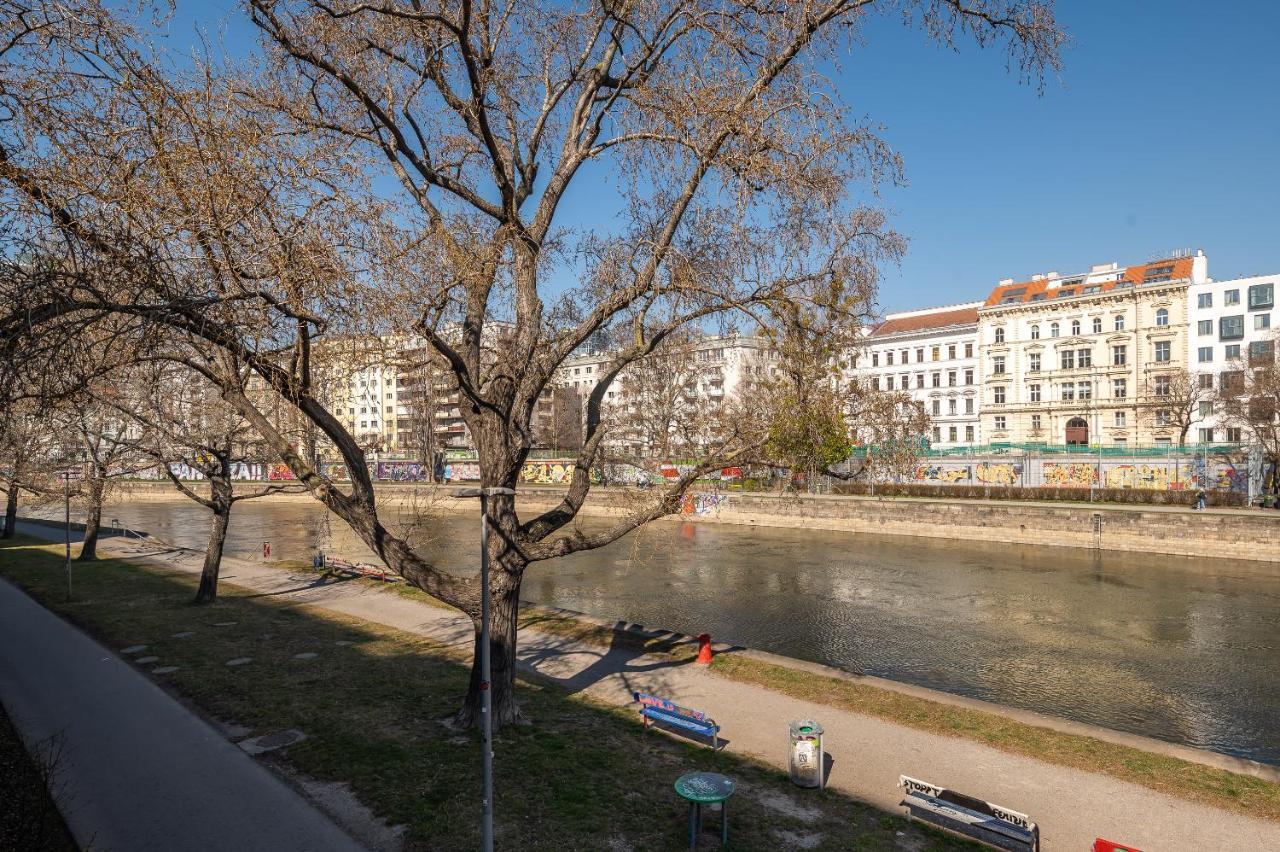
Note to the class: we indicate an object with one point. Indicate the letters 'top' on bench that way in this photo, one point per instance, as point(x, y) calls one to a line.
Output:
point(991, 824)
point(655, 709)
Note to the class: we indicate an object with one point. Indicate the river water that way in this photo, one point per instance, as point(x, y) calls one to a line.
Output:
point(1184, 650)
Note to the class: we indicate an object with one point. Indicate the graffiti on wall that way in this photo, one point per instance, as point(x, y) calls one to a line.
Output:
point(280, 473)
point(1070, 474)
point(999, 473)
point(461, 471)
point(940, 475)
point(546, 472)
point(703, 504)
point(402, 471)
point(1153, 477)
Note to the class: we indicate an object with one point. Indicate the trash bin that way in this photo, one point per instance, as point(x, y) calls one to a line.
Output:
point(807, 768)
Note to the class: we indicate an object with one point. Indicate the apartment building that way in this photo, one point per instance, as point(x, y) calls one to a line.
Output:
point(932, 354)
point(1085, 359)
point(1230, 331)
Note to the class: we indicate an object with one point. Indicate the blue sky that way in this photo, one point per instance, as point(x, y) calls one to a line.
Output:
point(1161, 132)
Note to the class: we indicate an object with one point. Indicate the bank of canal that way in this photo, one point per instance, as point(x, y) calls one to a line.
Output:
point(1180, 649)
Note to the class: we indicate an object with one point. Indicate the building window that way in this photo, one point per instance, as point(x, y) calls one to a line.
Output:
point(951, 378)
point(1084, 358)
point(888, 382)
point(1085, 390)
point(968, 376)
point(1033, 392)
point(1097, 325)
point(906, 380)
point(968, 405)
point(1204, 300)
point(937, 434)
point(1075, 327)
point(1204, 354)
point(919, 380)
point(1163, 349)
point(875, 359)
point(968, 433)
point(1053, 329)
point(1162, 318)
point(1000, 422)
point(1033, 365)
point(1232, 351)
point(1068, 359)
point(1231, 297)
point(951, 407)
point(1206, 409)
point(875, 383)
point(951, 352)
point(999, 335)
point(1231, 328)
point(998, 395)
point(936, 379)
point(1205, 381)
point(1068, 392)
point(919, 355)
point(1261, 296)
point(954, 435)
point(1035, 332)
point(1233, 435)
point(1162, 385)
point(1163, 417)
point(997, 365)
point(1261, 321)
point(1232, 383)
point(1121, 442)
point(1035, 423)
point(935, 352)
point(937, 407)
point(968, 350)
point(1204, 327)
point(905, 353)
point(1262, 353)
point(1119, 388)
point(888, 358)
point(1119, 322)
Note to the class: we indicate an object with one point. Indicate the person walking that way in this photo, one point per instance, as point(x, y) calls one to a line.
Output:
point(1200, 499)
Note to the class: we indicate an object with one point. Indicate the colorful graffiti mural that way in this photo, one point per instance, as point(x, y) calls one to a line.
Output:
point(999, 473)
point(401, 471)
point(1153, 477)
point(461, 471)
point(280, 473)
point(940, 475)
point(1070, 474)
point(703, 504)
point(546, 472)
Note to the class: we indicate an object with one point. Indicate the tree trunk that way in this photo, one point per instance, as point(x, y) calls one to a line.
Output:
point(93, 521)
point(10, 510)
point(208, 590)
point(504, 609)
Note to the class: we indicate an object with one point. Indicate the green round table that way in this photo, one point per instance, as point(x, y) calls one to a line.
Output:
point(705, 788)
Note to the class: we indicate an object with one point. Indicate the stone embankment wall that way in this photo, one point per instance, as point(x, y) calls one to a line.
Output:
point(1252, 534)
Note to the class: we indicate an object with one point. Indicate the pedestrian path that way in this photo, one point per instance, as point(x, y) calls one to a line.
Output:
point(1073, 807)
point(138, 772)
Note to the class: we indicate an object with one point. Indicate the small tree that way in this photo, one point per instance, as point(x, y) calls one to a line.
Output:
point(1248, 399)
point(25, 463)
point(1172, 400)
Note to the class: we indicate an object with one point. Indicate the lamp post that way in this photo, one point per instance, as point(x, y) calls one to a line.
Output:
point(486, 695)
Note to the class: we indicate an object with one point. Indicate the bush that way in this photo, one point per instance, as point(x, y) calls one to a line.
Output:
point(1133, 496)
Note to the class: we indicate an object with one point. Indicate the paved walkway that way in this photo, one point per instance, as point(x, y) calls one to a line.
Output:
point(138, 771)
point(1072, 807)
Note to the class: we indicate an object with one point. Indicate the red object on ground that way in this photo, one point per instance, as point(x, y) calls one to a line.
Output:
point(266, 550)
point(704, 648)
point(1100, 845)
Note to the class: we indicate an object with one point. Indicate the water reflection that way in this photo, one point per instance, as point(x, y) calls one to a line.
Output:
point(1180, 649)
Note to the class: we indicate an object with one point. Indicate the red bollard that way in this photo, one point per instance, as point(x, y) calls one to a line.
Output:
point(704, 649)
point(266, 550)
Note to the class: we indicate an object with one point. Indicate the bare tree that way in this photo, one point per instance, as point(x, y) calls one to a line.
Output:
point(1173, 401)
point(735, 157)
point(98, 444)
point(25, 462)
point(1248, 398)
point(656, 415)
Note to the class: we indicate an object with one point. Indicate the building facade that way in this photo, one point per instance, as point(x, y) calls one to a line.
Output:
point(933, 355)
point(1085, 359)
point(1231, 329)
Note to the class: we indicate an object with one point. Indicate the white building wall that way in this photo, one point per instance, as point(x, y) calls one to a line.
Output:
point(1248, 307)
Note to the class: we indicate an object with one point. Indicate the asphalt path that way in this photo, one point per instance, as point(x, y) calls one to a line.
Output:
point(138, 771)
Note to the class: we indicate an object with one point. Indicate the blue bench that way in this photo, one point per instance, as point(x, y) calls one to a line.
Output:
point(655, 709)
point(993, 825)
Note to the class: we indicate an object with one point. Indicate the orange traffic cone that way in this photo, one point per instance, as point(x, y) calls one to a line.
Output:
point(704, 649)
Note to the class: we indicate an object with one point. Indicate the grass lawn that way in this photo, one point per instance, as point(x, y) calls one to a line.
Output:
point(28, 818)
point(582, 777)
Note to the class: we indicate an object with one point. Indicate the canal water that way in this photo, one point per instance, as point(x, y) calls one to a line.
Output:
point(1183, 650)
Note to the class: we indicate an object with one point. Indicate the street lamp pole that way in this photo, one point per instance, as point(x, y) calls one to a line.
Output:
point(486, 694)
point(66, 498)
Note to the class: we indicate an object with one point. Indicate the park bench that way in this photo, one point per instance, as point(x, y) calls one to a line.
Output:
point(991, 824)
point(655, 709)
